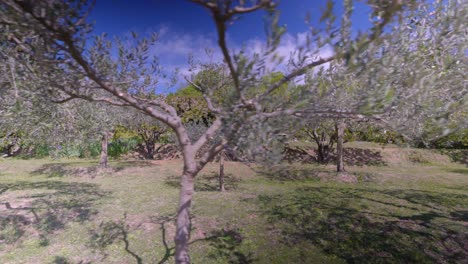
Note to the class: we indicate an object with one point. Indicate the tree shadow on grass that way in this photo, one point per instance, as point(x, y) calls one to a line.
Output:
point(361, 157)
point(51, 205)
point(60, 260)
point(456, 155)
point(173, 181)
point(60, 170)
point(285, 173)
point(351, 156)
point(111, 231)
point(206, 182)
point(291, 173)
point(297, 154)
point(225, 244)
point(120, 165)
point(459, 171)
point(406, 226)
point(210, 182)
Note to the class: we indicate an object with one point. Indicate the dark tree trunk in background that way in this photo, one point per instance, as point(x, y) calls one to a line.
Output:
point(324, 150)
point(221, 172)
point(150, 136)
point(104, 142)
point(150, 149)
point(340, 128)
point(324, 145)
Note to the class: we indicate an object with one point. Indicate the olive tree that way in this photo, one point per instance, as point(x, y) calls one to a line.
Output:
point(16, 103)
point(413, 79)
point(30, 117)
point(323, 136)
point(149, 130)
point(76, 68)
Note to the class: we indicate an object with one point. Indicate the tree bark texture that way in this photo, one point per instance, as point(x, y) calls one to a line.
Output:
point(221, 172)
point(340, 128)
point(182, 236)
point(187, 189)
point(104, 142)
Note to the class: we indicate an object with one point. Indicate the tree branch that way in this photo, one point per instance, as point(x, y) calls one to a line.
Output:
point(65, 36)
point(376, 32)
point(85, 15)
point(208, 135)
point(63, 100)
point(220, 19)
point(294, 74)
point(210, 154)
point(208, 101)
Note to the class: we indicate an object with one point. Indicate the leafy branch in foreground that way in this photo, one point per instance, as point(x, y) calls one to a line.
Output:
point(68, 64)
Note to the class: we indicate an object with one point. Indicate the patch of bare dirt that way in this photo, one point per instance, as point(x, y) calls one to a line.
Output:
point(203, 226)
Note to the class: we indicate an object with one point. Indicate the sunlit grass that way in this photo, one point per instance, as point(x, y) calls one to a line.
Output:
point(69, 212)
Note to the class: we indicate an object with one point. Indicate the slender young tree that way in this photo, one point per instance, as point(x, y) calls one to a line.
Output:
point(340, 127)
point(221, 172)
point(103, 160)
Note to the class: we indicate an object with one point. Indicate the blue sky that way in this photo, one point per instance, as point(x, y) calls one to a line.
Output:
point(187, 29)
point(120, 16)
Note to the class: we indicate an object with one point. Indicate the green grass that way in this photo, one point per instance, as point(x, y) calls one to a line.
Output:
point(69, 212)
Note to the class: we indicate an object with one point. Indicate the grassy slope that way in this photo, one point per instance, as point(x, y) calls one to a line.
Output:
point(66, 212)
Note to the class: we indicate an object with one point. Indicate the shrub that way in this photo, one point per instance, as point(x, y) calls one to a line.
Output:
point(41, 150)
point(457, 140)
point(122, 146)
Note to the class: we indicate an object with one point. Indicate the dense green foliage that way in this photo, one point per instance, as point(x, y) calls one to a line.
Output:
point(190, 105)
point(457, 140)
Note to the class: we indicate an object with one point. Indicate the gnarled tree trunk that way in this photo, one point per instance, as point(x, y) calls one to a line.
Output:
point(324, 143)
point(150, 149)
point(340, 128)
point(150, 135)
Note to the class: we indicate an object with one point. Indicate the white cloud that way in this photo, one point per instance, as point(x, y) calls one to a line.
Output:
point(174, 49)
point(288, 50)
